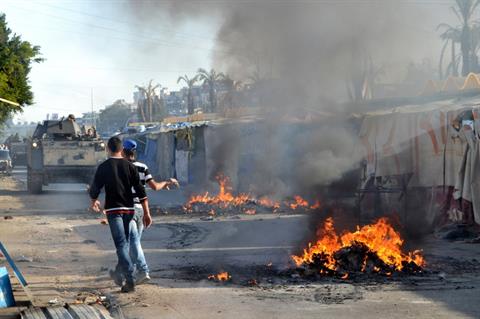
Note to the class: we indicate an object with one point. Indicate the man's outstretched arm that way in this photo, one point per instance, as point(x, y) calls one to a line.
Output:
point(156, 186)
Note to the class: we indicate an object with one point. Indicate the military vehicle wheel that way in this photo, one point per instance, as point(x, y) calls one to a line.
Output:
point(34, 183)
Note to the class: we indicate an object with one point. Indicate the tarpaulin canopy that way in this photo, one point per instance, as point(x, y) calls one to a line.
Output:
point(420, 140)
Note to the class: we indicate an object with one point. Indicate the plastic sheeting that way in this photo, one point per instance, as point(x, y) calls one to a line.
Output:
point(421, 140)
point(166, 155)
point(414, 139)
point(149, 155)
point(181, 166)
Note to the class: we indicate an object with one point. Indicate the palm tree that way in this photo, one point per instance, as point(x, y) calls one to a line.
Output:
point(258, 83)
point(475, 46)
point(464, 10)
point(190, 83)
point(232, 87)
point(146, 107)
point(452, 36)
point(211, 78)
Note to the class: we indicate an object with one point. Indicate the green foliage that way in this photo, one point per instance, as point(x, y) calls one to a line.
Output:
point(211, 79)
point(190, 82)
point(114, 117)
point(16, 57)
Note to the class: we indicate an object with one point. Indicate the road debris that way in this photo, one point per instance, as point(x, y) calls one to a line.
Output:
point(42, 267)
point(53, 301)
point(24, 259)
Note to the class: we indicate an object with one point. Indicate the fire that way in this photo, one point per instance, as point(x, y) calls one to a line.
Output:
point(379, 238)
point(224, 198)
point(267, 202)
point(250, 211)
point(222, 276)
point(316, 205)
point(298, 202)
point(227, 199)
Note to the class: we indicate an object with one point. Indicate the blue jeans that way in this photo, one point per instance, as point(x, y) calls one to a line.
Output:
point(136, 251)
point(120, 229)
point(135, 235)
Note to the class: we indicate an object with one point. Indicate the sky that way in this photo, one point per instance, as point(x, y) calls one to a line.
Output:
point(95, 53)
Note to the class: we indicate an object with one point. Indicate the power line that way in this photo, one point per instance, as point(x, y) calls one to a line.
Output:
point(151, 39)
point(170, 30)
point(115, 68)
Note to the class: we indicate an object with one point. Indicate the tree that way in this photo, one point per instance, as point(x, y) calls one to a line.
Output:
point(258, 86)
point(210, 79)
point(450, 35)
point(16, 58)
point(464, 10)
point(190, 83)
point(475, 46)
point(114, 117)
point(232, 87)
point(146, 105)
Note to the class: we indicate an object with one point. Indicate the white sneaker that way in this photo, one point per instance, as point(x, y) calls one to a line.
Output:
point(142, 277)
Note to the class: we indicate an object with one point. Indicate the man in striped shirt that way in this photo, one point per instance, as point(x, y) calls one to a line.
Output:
point(136, 225)
point(122, 184)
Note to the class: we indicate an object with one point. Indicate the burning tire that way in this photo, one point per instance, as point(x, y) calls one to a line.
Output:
point(374, 248)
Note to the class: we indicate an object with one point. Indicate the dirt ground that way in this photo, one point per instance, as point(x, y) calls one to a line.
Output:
point(64, 252)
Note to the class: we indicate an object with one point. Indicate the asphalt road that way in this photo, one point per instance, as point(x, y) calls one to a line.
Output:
point(76, 195)
point(182, 250)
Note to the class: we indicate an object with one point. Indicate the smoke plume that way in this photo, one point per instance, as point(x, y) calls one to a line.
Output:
point(304, 58)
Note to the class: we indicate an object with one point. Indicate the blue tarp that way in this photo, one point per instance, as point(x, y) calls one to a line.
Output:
point(149, 156)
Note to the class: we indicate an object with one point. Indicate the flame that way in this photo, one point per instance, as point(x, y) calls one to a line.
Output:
point(379, 237)
point(267, 202)
point(298, 202)
point(327, 245)
point(226, 199)
point(222, 276)
point(250, 211)
point(316, 205)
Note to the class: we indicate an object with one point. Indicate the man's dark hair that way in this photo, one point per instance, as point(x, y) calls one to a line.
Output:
point(114, 144)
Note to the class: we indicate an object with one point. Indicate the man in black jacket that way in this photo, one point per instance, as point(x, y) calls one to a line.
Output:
point(119, 177)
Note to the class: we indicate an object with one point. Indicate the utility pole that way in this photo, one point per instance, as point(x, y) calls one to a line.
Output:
point(94, 124)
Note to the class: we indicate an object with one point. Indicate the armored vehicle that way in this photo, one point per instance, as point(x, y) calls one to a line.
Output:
point(62, 152)
point(5, 161)
point(17, 148)
point(18, 153)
